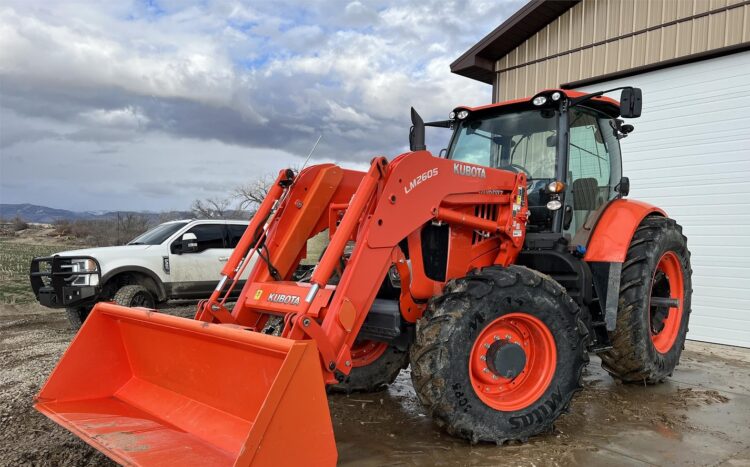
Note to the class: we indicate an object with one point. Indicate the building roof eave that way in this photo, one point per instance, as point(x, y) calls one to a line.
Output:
point(479, 61)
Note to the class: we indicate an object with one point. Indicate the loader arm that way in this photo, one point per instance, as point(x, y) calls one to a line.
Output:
point(429, 189)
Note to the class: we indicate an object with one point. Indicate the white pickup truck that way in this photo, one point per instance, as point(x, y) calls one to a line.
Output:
point(175, 260)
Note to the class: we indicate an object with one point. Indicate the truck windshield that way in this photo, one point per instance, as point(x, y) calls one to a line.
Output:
point(158, 234)
point(525, 141)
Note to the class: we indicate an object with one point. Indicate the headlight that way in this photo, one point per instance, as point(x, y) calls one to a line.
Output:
point(452, 115)
point(539, 100)
point(84, 265)
point(462, 114)
point(556, 96)
point(554, 205)
point(556, 187)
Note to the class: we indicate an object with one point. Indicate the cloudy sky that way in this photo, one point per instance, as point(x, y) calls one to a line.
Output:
point(147, 105)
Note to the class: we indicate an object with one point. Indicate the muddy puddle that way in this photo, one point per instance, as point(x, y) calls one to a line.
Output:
point(700, 417)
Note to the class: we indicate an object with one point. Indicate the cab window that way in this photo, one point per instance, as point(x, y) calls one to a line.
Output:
point(235, 233)
point(593, 163)
point(208, 236)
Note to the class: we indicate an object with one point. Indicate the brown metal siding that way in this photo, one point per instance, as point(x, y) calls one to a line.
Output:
point(599, 37)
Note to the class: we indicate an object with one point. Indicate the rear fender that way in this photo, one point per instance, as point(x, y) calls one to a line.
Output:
point(610, 239)
point(608, 247)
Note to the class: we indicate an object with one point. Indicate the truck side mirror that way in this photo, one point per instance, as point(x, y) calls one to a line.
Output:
point(630, 103)
point(189, 243)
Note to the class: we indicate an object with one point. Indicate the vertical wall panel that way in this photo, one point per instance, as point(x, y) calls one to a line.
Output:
point(701, 6)
point(627, 7)
point(733, 28)
point(684, 8)
point(699, 35)
point(668, 43)
point(640, 16)
point(597, 21)
point(625, 59)
point(576, 26)
point(684, 38)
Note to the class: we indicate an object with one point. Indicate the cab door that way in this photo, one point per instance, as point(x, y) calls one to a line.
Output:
point(593, 166)
point(195, 271)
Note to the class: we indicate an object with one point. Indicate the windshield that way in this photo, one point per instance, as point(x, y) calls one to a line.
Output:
point(525, 140)
point(158, 234)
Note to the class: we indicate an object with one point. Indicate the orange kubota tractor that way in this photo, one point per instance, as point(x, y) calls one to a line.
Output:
point(493, 270)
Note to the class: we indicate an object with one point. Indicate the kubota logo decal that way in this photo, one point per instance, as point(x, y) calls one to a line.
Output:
point(284, 299)
point(419, 179)
point(469, 170)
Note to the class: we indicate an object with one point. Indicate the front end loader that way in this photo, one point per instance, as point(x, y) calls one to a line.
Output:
point(493, 271)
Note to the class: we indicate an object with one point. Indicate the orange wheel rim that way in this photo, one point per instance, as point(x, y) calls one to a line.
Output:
point(667, 283)
point(515, 376)
point(366, 352)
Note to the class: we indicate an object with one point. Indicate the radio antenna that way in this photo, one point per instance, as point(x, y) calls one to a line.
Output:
point(307, 159)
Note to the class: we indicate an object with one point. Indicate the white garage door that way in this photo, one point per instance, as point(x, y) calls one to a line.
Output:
point(690, 155)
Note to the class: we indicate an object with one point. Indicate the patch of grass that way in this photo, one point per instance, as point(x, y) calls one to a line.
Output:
point(15, 259)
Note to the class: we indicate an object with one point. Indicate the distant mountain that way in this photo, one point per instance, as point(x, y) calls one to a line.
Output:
point(44, 214)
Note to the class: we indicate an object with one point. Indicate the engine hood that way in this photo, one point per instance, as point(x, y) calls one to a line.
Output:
point(107, 251)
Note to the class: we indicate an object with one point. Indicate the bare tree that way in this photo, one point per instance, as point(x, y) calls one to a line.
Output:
point(212, 208)
point(250, 195)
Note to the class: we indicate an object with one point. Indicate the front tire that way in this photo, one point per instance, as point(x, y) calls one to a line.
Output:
point(134, 296)
point(375, 366)
point(499, 355)
point(648, 339)
point(77, 315)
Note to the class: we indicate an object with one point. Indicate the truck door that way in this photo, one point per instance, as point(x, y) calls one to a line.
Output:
point(195, 272)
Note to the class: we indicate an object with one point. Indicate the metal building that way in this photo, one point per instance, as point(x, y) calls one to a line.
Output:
point(690, 152)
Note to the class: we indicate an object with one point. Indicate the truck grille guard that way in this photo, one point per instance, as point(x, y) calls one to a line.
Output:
point(53, 281)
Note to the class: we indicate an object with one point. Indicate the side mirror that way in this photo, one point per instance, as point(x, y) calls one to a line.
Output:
point(623, 188)
point(416, 133)
point(631, 102)
point(189, 243)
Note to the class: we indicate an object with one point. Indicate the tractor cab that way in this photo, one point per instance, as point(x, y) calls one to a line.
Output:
point(566, 142)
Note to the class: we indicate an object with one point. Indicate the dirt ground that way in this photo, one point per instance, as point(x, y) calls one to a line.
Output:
point(699, 417)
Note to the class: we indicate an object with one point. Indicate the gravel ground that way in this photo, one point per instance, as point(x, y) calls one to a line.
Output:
point(700, 417)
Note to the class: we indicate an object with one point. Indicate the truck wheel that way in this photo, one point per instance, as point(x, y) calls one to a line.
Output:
point(77, 315)
point(499, 355)
point(134, 295)
point(375, 365)
point(650, 334)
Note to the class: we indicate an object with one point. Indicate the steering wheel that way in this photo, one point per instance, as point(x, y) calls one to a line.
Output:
point(520, 168)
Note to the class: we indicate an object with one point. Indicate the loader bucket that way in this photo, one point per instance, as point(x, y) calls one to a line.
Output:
point(152, 389)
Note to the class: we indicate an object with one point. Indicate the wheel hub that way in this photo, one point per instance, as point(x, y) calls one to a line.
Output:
point(512, 361)
point(506, 359)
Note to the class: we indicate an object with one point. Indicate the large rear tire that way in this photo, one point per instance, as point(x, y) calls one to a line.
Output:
point(375, 365)
point(648, 339)
point(499, 355)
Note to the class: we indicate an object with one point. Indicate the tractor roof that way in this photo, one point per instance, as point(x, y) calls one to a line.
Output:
point(605, 104)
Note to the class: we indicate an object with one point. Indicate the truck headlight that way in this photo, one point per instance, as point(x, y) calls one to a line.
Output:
point(84, 265)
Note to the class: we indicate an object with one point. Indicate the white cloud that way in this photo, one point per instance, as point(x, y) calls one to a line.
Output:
point(97, 81)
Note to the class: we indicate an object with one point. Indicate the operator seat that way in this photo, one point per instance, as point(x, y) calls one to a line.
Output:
point(586, 199)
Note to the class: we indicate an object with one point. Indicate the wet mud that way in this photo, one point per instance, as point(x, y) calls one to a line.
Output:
point(700, 417)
